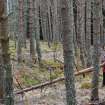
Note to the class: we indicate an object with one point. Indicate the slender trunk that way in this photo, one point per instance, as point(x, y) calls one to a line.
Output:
point(103, 10)
point(102, 35)
point(96, 47)
point(37, 29)
point(67, 32)
point(1, 71)
point(88, 32)
point(21, 31)
point(31, 30)
point(43, 15)
point(81, 30)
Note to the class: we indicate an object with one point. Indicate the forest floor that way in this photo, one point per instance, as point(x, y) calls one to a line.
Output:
point(28, 74)
point(55, 95)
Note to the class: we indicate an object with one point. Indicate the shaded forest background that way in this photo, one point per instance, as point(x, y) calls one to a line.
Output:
point(46, 41)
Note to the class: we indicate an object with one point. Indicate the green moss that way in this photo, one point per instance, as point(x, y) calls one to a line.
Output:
point(38, 74)
point(29, 81)
point(86, 85)
point(45, 48)
point(56, 46)
point(52, 64)
point(54, 76)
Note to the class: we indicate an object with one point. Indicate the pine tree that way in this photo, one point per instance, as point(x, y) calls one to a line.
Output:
point(67, 34)
point(37, 29)
point(21, 31)
point(96, 48)
point(31, 29)
point(5, 66)
point(88, 32)
point(81, 30)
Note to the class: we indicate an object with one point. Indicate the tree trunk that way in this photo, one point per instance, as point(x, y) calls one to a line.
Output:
point(37, 30)
point(6, 66)
point(81, 30)
point(1, 71)
point(103, 10)
point(31, 30)
point(88, 32)
point(67, 34)
point(21, 31)
point(96, 47)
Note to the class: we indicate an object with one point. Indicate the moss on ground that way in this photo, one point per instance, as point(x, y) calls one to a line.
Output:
point(51, 63)
point(86, 85)
point(28, 81)
point(45, 48)
point(36, 75)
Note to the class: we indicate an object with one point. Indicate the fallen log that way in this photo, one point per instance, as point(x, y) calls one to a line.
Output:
point(40, 85)
point(87, 70)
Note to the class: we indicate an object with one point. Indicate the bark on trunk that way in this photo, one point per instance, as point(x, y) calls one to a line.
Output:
point(31, 30)
point(67, 34)
point(96, 48)
point(6, 66)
